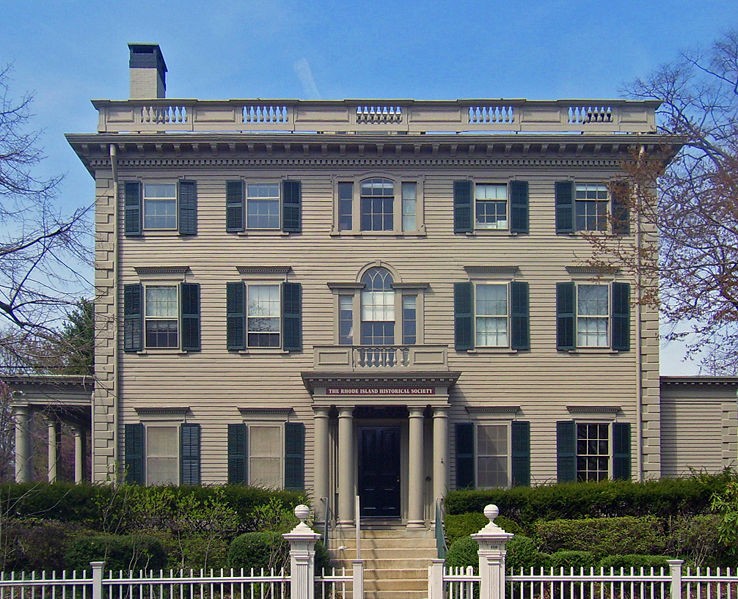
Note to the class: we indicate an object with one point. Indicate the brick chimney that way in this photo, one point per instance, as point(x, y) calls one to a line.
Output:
point(148, 72)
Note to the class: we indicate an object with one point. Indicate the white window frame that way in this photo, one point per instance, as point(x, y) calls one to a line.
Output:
point(148, 428)
point(478, 454)
point(597, 186)
point(147, 318)
point(606, 316)
point(249, 290)
point(608, 426)
point(506, 284)
point(476, 224)
point(145, 202)
point(272, 424)
point(247, 199)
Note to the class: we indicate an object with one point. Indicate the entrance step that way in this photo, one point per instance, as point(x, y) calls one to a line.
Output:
point(396, 559)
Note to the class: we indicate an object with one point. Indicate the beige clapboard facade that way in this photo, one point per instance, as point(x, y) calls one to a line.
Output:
point(387, 299)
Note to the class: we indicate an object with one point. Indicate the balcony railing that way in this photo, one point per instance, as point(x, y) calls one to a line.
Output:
point(379, 357)
point(378, 116)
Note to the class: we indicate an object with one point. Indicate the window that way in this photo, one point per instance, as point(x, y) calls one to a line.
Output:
point(377, 308)
point(264, 315)
point(161, 316)
point(345, 319)
point(487, 206)
point(492, 454)
point(263, 206)
point(409, 319)
point(592, 451)
point(491, 315)
point(267, 453)
point(160, 206)
point(165, 451)
point(590, 206)
point(593, 316)
point(379, 204)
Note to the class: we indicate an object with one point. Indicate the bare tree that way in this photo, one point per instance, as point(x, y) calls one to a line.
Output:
point(692, 205)
point(42, 247)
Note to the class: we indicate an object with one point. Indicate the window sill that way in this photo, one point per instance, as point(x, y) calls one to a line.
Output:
point(258, 351)
point(156, 233)
point(263, 233)
point(398, 234)
point(159, 351)
point(504, 351)
point(492, 233)
point(594, 351)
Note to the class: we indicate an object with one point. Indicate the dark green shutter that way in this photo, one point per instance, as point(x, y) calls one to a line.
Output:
point(564, 207)
point(132, 317)
point(189, 447)
point(134, 454)
point(520, 452)
point(190, 316)
point(292, 316)
point(234, 206)
point(463, 316)
point(238, 454)
point(565, 316)
point(463, 207)
point(566, 451)
point(621, 451)
point(187, 208)
point(519, 316)
point(464, 455)
point(235, 316)
point(294, 456)
point(620, 316)
point(291, 206)
point(519, 207)
point(133, 211)
point(619, 206)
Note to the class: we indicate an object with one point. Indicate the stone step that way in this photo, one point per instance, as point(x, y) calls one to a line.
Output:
point(396, 584)
point(388, 552)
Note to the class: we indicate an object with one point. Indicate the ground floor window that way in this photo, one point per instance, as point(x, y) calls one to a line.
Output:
point(593, 452)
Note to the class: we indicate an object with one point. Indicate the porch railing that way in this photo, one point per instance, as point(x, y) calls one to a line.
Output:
point(371, 357)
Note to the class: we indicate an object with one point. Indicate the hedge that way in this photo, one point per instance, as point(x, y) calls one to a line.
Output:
point(120, 552)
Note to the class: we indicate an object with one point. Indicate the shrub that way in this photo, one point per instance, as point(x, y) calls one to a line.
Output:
point(463, 553)
point(697, 539)
point(568, 559)
point(119, 552)
point(258, 550)
point(523, 552)
point(32, 544)
point(322, 558)
point(604, 536)
point(636, 561)
point(458, 526)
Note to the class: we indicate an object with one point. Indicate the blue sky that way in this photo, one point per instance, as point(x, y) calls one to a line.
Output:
point(67, 53)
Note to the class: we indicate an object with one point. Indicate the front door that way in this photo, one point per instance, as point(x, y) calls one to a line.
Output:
point(379, 471)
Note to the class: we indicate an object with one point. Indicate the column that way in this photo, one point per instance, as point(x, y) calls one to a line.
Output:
point(320, 461)
point(22, 444)
point(415, 477)
point(346, 486)
point(79, 453)
point(440, 453)
point(53, 448)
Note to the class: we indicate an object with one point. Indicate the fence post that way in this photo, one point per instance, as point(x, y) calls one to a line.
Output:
point(435, 579)
point(358, 582)
point(302, 556)
point(675, 569)
point(97, 572)
point(492, 540)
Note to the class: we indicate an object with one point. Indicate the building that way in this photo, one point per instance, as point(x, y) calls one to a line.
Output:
point(382, 298)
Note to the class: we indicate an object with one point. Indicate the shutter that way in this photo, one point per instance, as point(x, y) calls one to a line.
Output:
point(464, 455)
point(621, 451)
point(237, 454)
point(294, 456)
point(187, 208)
point(565, 329)
point(566, 451)
point(292, 316)
point(520, 452)
point(564, 207)
point(291, 209)
point(463, 316)
point(189, 298)
point(620, 193)
point(463, 207)
point(189, 459)
point(519, 207)
point(235, 316)
point(132, 318)
point(134, 454)
point(620, 317)
point(519, 316)
point(133, 201)
point(234, 206)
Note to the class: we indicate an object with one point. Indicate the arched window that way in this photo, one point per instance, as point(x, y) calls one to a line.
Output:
point(377, 308)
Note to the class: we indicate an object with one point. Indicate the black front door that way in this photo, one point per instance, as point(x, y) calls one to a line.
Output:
point(379, 471)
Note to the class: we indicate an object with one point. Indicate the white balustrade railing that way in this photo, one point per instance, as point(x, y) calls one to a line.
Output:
point(381, 356)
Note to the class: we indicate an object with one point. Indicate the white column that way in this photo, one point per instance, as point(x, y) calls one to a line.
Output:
point(440, 453)
point(53, 448)
point(492, 540)
point(22, 416)
point(79, 453)
point(415, 470)
point(346, 486)
point(320, 461)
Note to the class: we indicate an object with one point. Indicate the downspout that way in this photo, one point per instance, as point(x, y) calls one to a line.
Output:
point(116, 382)
point(639, 329)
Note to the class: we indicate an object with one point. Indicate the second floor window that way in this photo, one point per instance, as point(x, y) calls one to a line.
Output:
point(377, 308)
point(262, 206)
point(377, 205)
point(160, 206)
point(162, 316)
point(590, 207)
point(263, 316)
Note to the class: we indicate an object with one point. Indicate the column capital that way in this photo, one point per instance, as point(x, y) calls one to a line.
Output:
point(346, 412)
point(440, 411)
point(321, 411)
point(415, 411)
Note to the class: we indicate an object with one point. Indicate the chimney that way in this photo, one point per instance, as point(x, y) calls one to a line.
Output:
point(148, 72)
